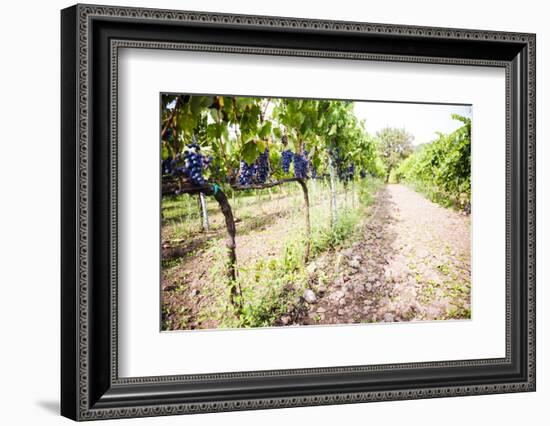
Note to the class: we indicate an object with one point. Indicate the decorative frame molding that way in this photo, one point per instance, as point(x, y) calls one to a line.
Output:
point(91, 37)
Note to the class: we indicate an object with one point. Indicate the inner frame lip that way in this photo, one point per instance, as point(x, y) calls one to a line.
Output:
point(227, 94)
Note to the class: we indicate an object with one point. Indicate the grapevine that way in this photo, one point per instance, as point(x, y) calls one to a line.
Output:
point(441, 169)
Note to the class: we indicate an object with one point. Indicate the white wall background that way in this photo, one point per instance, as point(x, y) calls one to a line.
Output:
point(29, 214)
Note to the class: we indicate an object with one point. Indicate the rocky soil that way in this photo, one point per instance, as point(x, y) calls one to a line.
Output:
point(412, 263)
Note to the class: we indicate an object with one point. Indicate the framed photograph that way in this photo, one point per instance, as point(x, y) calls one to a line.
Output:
point(263, 212)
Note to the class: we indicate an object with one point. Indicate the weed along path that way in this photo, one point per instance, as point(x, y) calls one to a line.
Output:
point(411, 262)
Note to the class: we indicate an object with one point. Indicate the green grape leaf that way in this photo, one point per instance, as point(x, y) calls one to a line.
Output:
point(265, 131)
point(249, 152)
point(260, 146)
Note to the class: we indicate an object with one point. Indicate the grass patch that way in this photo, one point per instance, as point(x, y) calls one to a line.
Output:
point(268, 287)
point(330, 237)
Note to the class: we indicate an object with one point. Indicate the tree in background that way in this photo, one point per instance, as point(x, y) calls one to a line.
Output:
point(395, 145)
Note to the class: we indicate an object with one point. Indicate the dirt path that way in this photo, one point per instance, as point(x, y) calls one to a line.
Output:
point(413, 263)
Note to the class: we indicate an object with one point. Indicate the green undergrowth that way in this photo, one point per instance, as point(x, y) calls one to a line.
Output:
point(436, 195)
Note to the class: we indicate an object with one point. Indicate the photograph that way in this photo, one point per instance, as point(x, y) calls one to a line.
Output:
point(283, 211)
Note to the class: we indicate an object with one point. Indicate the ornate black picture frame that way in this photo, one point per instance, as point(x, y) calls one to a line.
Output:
point(91, 36)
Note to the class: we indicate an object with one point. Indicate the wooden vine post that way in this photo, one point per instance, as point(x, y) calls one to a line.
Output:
point(307, 250)
point(204, 212)
point(181, 185)
point(333, 203)
point(225, 207)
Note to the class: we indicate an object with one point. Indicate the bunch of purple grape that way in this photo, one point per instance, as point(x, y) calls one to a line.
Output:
point(246, 174)
point(363, 174)
point(207, 161)
point(194, 163)
point(286, 158)
point(167, 165)
point(262, 167)
point(257, 172)
point(300, 166)
point(346, 173)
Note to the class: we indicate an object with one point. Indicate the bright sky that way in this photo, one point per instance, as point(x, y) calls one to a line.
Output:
point(421, 120)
